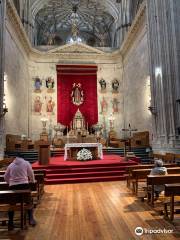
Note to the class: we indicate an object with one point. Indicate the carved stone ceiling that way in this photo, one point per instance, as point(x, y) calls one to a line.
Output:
point(58, 22)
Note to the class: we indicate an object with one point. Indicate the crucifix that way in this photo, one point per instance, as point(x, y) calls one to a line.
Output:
point(127, 142)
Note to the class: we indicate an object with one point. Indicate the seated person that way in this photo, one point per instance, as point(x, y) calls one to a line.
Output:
point(18, 175)
point(158, 170)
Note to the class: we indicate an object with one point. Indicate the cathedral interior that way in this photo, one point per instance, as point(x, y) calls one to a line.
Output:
point(103, 72)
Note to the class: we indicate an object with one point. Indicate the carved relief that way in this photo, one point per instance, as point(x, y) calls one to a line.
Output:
point(37, 85)
point(102, 83)
point(115, 86)
point(50, 85)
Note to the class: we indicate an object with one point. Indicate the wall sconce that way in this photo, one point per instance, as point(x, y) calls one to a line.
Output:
point(153, 110)
point(4, 110)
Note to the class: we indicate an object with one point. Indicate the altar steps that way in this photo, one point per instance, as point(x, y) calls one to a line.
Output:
point(82, 170)
point(85, 174)
point(84, 180)
point(110, 168)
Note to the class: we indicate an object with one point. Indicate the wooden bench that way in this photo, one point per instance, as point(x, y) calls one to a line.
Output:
point(141, 175)
point(5, 162)
point(171, 190)
point(15, 200)
point(144, 166)
point(33, 187)
point(159, 180)
point(39, 177)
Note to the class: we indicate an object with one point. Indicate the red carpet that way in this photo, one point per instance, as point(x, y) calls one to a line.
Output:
point(111, 168)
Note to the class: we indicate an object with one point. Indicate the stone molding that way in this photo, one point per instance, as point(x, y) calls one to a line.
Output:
point(18, 26)
point(79, 48)
point(131, 35)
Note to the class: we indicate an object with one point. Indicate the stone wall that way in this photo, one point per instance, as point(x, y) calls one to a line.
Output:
point(43, 69)
point(16, 85)
point(137, 82)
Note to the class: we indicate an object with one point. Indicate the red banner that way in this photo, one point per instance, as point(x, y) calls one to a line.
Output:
point(67, 77)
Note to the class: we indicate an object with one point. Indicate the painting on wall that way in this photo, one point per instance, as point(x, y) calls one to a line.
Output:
point(37, 85)
point(104, 106)
point(50, 85)
point(37, 105)
point(115, 105)
point(50, 104)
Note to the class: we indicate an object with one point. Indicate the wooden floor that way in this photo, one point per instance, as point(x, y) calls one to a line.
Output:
point(92, 211)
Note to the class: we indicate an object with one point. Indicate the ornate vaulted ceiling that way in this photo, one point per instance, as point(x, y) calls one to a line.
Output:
point(98, 23)
point(62, 21)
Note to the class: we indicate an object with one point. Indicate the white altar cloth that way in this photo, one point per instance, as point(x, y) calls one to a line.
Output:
point(83, 145)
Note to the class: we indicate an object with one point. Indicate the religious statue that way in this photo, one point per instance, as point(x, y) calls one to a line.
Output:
point(37, 105)
point(104, 106)
point(115, 86)
point(77, 94)
point(50, 84)
point(102, 83)
point(37, 85)
point(115, 106)
point(50, 105)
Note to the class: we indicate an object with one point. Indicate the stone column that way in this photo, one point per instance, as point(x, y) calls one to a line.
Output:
point(2, 55)
point(164, 31)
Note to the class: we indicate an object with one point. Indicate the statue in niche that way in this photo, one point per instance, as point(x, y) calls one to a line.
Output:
point(37, 85)
point(115, 106)
point(115, 86)
point(77, 94)
point(37, 105)
point(104, 106)
point(50, 84)
point(50, 106)
point(102, 83)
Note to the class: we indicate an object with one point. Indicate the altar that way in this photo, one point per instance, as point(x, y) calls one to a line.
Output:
point(71, 150)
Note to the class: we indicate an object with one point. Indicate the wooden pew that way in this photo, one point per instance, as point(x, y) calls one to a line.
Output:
point(171, 190)
point(5, 162)
point(36, 171)
point(159, 180)
point(39, 177)
point(40, 184)
point(144, 166)
point(33, 187)
point(141, 174)
point(169, 158)
point(15, 201)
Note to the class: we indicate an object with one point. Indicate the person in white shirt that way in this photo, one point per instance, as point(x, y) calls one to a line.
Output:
point(18, 175)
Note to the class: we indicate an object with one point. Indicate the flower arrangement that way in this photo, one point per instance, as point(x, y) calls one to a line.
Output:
point(84, 154)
